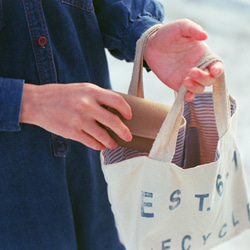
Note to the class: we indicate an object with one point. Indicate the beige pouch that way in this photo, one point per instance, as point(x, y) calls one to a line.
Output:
point(145, 124)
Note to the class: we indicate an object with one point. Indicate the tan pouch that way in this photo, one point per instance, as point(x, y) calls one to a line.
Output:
point(145, 124)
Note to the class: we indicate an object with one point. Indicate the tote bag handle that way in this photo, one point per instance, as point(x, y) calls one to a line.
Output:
point(136, 85)
point(164, 146)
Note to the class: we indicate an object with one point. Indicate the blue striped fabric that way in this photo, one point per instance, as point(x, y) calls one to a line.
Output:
point(196, 142)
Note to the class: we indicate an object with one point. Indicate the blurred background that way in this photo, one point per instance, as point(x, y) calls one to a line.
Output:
point(227, 23)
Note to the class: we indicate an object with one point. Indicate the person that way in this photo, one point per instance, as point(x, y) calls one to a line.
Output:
point(54, 81)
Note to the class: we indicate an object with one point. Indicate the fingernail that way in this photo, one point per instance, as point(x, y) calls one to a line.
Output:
point(129, 137)
point(189, 97)
point(188, 84)
point(216, 72)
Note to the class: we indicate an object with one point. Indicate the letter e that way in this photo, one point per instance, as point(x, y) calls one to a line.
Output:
point(146, 204)
point(164, 246)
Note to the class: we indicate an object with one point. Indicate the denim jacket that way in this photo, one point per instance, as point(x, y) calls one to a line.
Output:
point(75, 33)
point(53, 194)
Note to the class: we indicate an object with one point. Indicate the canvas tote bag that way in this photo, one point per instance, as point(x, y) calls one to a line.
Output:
point(189, 192)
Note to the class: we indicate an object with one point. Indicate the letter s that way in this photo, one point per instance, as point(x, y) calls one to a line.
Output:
point(173, 198)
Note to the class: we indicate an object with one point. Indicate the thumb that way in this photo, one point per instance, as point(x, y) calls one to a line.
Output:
point(192, 30)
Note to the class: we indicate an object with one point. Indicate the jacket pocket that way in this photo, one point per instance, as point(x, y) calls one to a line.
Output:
point(86, 5)
point(1, 16)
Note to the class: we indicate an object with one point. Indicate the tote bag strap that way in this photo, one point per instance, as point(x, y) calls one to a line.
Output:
point(164, 146)
point(136, 84)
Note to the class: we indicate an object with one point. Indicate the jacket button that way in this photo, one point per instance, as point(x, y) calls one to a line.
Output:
point(42, 40)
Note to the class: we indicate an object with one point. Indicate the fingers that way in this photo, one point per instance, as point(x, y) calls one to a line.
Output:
point(203, 77)
point(191, 29)
point(114, 100)
point(189, 97)
point(193, 86)
point(216, 69)
point(90, 141)
point(108, 119)
point(80, 112)
point(105, 117)
point(198, 79)
point(96, 137)
point(113, 122)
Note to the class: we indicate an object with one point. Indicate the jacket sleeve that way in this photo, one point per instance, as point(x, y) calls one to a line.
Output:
point(122, 23)
point(11, 91)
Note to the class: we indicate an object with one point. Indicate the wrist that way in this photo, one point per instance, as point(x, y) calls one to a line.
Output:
point(29, 103)
point(149, 47)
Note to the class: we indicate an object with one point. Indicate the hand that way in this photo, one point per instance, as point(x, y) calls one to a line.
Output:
point(172, 53)
point(73, 110)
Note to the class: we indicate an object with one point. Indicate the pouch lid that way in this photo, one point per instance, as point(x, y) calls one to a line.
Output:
point(147, 118)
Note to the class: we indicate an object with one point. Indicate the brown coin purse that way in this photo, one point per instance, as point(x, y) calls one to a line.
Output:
point(145, 124)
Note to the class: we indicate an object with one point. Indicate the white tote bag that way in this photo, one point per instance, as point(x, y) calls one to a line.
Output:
point(190, 191)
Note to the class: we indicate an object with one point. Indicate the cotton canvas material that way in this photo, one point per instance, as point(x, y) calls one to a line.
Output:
point(190, 191)
point(159, 205)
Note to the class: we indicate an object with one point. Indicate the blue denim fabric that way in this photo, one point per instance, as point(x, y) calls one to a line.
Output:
point(52, 191)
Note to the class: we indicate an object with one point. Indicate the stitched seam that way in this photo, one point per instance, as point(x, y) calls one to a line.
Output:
point(41, 20)
point(2, 21)
point(38, 56)
point(49, 52)
point(32, 31)
point(80, 5)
